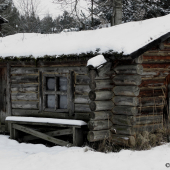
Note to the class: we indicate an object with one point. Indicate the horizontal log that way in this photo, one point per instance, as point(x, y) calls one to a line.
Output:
point(125, 101)
point(101, 105)
point(27, 70)
point(101, 84)
point(82, 89)
point(125, 110)
point(102, 71)
point(156, 53)
point(100, 115)
point(152, 93)
point(127, 80)
point(99, 124)
point(126, 90)
point(151, 101)
point(126, 120)
point(123, 140)
point(37, 113)
point(156, 65)
point(82, 79)
point(24, 79)
point(83, 116)
point(82, 99)
point(82, 108)
point(24, 105)
point(24, 96)
point(24, 88)
point(134, 130)
point(137, 60)
point(152, 82)
point(100, 95)
point(93, 75)
point(98, 135)
point(129, 69)
point(151, 110)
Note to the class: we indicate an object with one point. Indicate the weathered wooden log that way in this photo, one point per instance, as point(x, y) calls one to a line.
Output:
point(125, 110)
point(100, 115)
point(26, 70)
point(151, 101)
point(82, 79)
point(161, 46)
point(123, 140)
point(24, 105)
point(125, 101)
point(24, 79)
point(126, 90)
point(81, 99)
point(149, 119)
point(82, 108)
point(152, 82)
point(93, 75)
point(24, 96)
point(100, 95)
point(82, 89)
point(99, 124)
point(137, 60)
point(101, 84)
point(156, 58)
point(127, 80)
point(129, 69)
point(98, 135)
point(24, 88)
point(152, 93)
point(101, 105)
point(123, 120)
point(134, 130)
point(151, 110)
point(83, 116)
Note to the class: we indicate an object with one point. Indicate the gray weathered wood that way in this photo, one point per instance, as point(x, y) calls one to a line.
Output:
point(134, 130)
point(99, 124)
point(41, 135)
point(101, 84)
point(98, 135)
point(100, 115)
point(129, 69)
point(52, 133)
point(24, 96)
point(82, 89)
point(82, 79)
point(24, 105)
point(81, 99)
point(100, 95)
point(82, 108)
point(77, 137)
point(127, 80)
point(102, 71)
point(125, 101)
point(126, 90)
point(24, 79)
point(27, 70)
point(101, 105)
point(82, 116)
point(24, 88)
point(125, 110)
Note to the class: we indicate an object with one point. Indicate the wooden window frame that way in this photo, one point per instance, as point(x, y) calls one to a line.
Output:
point(69, 92)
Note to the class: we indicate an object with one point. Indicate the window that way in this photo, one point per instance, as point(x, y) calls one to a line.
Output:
point(57, 92)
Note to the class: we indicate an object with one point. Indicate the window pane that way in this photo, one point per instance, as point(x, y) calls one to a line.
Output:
point(62, 84)
point(50, 101)
point(50, 83)
point(63, 101)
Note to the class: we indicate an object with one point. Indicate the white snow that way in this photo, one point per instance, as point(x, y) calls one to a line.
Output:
point(15, 156)
point(96, 61)
point(46, 120)
point(126, 38)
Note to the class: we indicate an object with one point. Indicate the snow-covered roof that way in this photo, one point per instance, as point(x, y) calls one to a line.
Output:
point(126, 38)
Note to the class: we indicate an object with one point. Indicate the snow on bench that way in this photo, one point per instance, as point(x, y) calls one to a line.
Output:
point(46, 120)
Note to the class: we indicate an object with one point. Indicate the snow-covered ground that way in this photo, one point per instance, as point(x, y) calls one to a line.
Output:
point(15, 156)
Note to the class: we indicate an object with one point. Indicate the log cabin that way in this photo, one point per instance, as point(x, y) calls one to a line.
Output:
point(124, 96)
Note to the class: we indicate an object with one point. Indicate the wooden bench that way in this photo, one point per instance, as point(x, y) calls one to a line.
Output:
point(67, 127)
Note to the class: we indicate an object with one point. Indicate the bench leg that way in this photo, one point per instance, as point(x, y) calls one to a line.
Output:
point(77, 136)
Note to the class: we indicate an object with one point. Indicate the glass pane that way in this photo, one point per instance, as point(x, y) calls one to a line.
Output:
point(50, 101)
point(62, 84)
point(63, 101)
point(50, 83)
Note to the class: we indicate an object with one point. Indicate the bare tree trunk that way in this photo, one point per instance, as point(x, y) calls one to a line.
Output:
point(117, 12)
